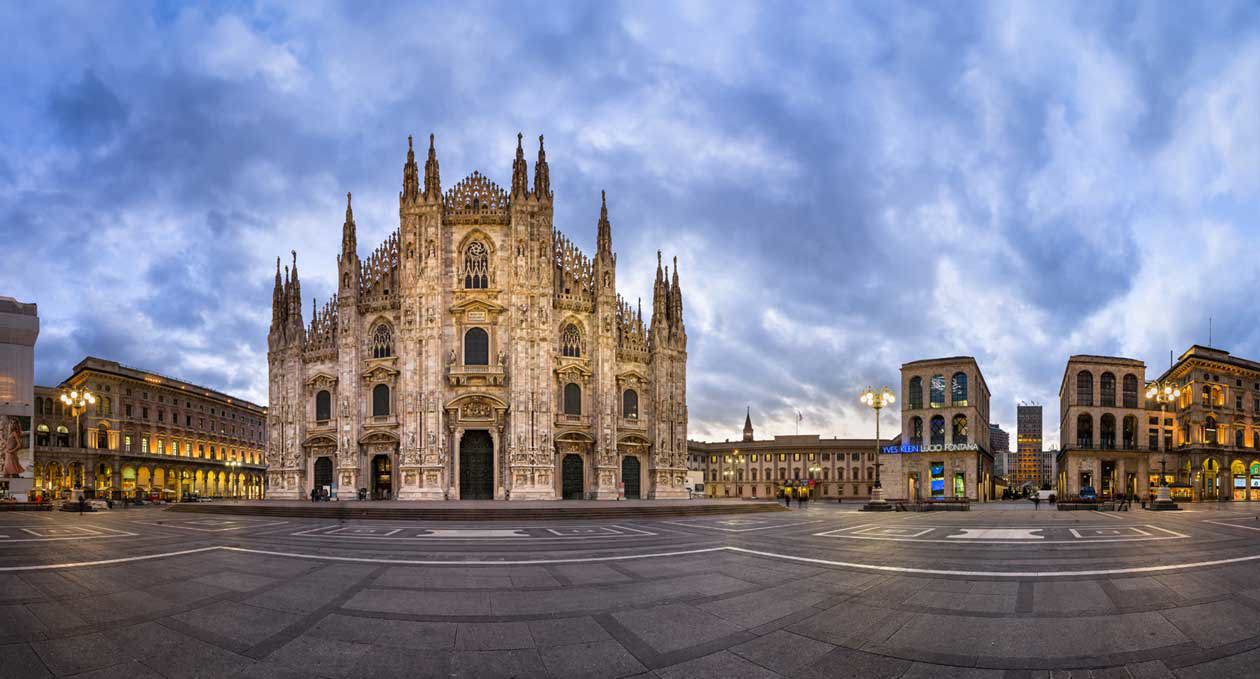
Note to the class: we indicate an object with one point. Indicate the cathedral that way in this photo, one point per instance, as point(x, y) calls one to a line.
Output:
point(477, 354)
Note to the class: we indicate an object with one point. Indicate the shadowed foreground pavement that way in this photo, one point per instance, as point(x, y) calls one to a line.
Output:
point(824, 592)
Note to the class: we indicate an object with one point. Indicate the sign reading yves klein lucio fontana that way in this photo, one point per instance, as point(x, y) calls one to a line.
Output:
point(931, 448)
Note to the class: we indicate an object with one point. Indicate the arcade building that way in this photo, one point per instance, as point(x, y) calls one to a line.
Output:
point(1206, 443)
point(146, 435)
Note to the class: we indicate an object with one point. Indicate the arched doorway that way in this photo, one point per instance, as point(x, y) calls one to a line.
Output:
point(476, 466)
point(323, 472)
point(571, 485)
point(1211, 479)
point(382, 478)
point(630, 477)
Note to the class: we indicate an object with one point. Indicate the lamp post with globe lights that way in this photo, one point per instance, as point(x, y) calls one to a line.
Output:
point(1163, 393)
point(234, 467)
point(877, 400)
point(77, 400)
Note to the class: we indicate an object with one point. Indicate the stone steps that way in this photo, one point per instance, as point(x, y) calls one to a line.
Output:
point(365, 510)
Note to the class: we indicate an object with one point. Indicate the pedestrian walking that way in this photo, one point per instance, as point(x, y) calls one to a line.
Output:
point(1036, 502)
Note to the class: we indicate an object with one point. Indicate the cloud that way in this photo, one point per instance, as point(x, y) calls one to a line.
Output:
point(847, 189)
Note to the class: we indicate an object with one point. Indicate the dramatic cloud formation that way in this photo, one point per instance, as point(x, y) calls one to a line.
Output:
point(847, 187)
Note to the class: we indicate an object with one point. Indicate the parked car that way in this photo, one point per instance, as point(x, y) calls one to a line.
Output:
point(1088, 493)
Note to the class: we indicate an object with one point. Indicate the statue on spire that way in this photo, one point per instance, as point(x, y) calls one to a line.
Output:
point(411, 176)
point(520, 173)
point(432, 179)
point(542, 176)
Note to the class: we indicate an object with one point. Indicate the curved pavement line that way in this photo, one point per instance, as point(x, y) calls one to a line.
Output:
point(999, 574)
point(628, 557)
point(106, 562)
point(438, 562)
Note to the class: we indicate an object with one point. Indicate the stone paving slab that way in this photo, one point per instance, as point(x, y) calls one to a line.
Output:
point(717, 613)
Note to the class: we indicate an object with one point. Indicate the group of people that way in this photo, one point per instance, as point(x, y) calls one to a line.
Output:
point(802, 496)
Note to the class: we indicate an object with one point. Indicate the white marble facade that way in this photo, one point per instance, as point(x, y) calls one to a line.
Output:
point(477, 353)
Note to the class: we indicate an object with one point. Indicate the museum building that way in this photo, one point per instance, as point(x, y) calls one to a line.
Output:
point(477, 353)
point(146, 435)
point(1207, 439)
point(943, 450)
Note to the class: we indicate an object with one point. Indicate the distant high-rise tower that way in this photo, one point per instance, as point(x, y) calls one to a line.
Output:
point(1028, 455)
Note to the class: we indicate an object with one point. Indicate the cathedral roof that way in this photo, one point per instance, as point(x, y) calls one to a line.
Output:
point(476, 195)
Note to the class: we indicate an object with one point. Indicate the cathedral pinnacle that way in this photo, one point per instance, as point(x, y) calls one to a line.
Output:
point(432, 178)
point(748, 428)
point(520, 173)
point(411, 177)
point(542, 176)
point(277, 299)
point(603, 242)
point(349, 237)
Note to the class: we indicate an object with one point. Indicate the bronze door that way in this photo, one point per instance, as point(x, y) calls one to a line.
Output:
point(476, 466)
point(571, 473)
point(630, 477)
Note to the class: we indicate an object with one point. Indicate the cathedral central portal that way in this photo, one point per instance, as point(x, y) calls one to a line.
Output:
point(477, 353)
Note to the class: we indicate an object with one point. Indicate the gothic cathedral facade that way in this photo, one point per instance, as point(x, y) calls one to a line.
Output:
point(477, 354)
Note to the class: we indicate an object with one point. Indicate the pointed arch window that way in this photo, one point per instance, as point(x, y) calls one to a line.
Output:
point(476, 266)
point(572, 399)
point(630, 404)
point(476, 347)
point(323, 406)
point(958, 389)
point(380, 400)
point(382, 341)
point(916, 393)
point(1209, 430)
point(571, 341)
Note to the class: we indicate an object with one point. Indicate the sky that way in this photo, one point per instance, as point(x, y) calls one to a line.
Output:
point(847, 187)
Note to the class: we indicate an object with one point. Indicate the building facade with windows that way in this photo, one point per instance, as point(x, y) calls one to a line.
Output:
point(1000, 440)
point(944, 449)
point(147, 435)
point(1105, 431)
point(1028, 470)
point(478, 354)
point(1213, 430)
point(751, 468)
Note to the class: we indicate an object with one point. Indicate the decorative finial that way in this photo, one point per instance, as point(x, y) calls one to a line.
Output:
point(603, 199)
point(430, 141)
point(540, 142)
point(519, 137)
point(408, 142)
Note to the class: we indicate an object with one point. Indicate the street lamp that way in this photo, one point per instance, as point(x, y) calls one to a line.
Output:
point(232, 466)
point(877, 400)
point(77, 400)
point(1163, 393)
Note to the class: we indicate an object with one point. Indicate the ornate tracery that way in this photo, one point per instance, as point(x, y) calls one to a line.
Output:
point(476, 266)
point(571, 341)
